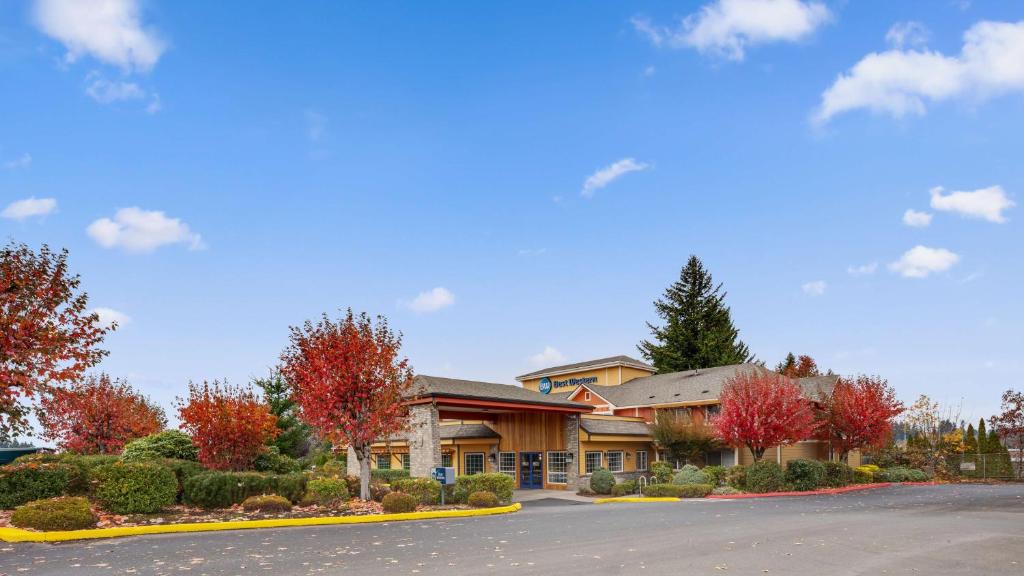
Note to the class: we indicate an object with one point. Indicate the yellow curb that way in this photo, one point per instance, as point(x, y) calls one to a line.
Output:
point(19, 535)
point(636, 499)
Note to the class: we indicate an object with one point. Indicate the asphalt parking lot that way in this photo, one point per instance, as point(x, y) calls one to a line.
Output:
point(921, 530)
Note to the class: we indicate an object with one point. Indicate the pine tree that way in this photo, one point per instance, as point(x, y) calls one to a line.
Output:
point(294, 438)
point(983, 447)
point(970, 440)
point(698, 330)
point(786, 365)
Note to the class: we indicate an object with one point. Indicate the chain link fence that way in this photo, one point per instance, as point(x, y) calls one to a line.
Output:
point(999, 466)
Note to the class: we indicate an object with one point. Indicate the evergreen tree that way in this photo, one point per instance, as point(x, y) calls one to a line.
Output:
point(983, 447)
point(698, 331)
point(294, 437)
point(786, 365)
point(970, 440)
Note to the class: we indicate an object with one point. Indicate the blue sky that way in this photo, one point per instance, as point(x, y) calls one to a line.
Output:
point(220, 171)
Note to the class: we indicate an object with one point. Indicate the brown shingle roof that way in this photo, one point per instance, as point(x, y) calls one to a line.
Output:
point(611, 360)
point(436, 386)
point(616, 427)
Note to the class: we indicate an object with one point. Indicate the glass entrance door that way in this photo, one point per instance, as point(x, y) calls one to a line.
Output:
point(531, 473)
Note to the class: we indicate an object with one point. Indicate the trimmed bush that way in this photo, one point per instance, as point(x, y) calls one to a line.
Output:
point(690, 474)
point(135, 488)
point(167, 444)
point(736, 477)
point(500, 485)
point(79, 471)
point(332, 468)
point(378, 491)
point(837, 474)
point(326, 491)
point(679, 490)
point(66, 513)
point(223, 489)
point(715, 474)
point(805, 475)
point(601, 481)
point(271, 460)
point(266, 503)
point(901, 474)
point(862, 476)
point(662, 472)
point(624, 488)
point(398, 502)
point(25, 482)
point(765, 476)
point(482, 499)
point(388, 476)
point(425, 490)
point(183, 470)
point(725, 491)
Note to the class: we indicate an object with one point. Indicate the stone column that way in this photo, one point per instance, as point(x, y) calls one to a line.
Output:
point(424, 440)
point(572, 446)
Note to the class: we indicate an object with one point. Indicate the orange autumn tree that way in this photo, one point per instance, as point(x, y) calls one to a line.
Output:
point(98, 416)
point(47, 337)
point(229, 425)
point(349, 380)
point(858, 414)
point(761, 409)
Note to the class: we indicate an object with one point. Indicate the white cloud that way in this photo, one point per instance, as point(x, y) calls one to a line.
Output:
point(899, 82)
point(137, 230)
point(728, 27)
point(916, 219)
point(432, 300)
point(532, 251)
point(650, 71)
point(815, 288)
point(316, 126)
point(609, 174)
point(920, 261)
point(862, 270)
point(21, 209)
point(22, 161)
point(549, 357)
point(106, 91)
point(985, 203)
point(109, 316)
point(904, 34)
point(108, 30)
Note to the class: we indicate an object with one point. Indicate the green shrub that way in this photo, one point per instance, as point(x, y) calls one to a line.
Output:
point(425, 490)
point(679, 490)
point(901, 474)
point(215, 489)
point(388, 476)
point(499, 484)
point(805, 475)
point(66, 513)
point(378, 490)
point(271, 460)
point(601, 481)
point(725, 491)
point(167, 444)
point(25, 482)
point(715, 474)
point(135, 488)
point(331, 468)
point(736, 477)
point(765, 476)
point(662, 472)
point(862, 476)
point(482, 499)
point(266, 503)
point(183, 470)
point(79, 472)
point(398, 502)
point(354, 484)
point(326, 491)
point(837, 474)
point(690, 474)
point(624, 488)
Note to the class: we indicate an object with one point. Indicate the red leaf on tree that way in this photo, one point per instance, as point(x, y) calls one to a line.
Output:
point(229, 425)
point(858, 414)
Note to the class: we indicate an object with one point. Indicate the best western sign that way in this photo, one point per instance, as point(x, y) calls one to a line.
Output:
point(547, 384)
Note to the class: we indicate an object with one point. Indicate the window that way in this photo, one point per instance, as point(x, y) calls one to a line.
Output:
point(383, 461)
point(586, 396)
point(446, 459)
point(615, 461)
point(713, 458)
point(641, 460)
point(592, 462)
point(406, 462)
point(558, 467)
point(474, 463)
point(507, 463)
point(712, 411)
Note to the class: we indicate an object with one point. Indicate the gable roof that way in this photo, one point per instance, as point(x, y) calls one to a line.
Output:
point(615, 427)
point(439, 387)
point(620, 360)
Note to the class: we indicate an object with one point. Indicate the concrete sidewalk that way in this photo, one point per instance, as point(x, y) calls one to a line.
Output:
point(527, 496)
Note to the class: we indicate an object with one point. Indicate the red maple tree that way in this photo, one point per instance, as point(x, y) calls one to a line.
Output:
point(805, 367)
point(858, 414)
point(349, 380)
point(98, 416)
point(229, 425)
point(761, 409)
point(47, 338)
point(1009, 424)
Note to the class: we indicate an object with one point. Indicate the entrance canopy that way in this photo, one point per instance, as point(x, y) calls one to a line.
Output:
point(472, 400)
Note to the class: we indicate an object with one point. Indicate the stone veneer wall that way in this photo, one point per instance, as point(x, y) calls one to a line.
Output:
point(572, 446)
point(424, 440)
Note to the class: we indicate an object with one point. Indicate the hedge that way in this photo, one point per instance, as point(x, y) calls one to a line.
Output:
point(901, 474)
point(500, 484)
point(678, 490)
point(765, 476)
point(82, 466)
point(482, 499)
point(167, 444)
point(266, 503)
point(223, 489)
point(425, 490)
point(736, 477)
point(398, 502)
point(66, 513)
point(624, 488)
point(388, 476)
point(662, 472)
point(805, 475)
point(837, 474)
point(135, 488)
point(22, 483)
point(690, 474)
point(182, 469)
point(326, 491)
point(715, 474)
